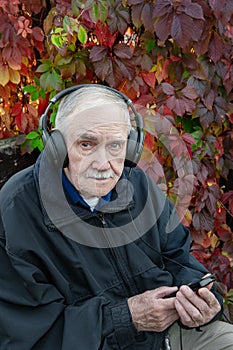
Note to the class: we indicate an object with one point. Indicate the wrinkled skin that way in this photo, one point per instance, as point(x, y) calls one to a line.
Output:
point(151, 312)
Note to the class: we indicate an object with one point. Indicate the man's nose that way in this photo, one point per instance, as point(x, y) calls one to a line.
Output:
point(101, 159)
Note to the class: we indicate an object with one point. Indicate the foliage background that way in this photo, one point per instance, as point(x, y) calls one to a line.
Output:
point(173, 58)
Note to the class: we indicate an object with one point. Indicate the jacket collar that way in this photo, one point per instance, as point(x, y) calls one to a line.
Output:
point(58, 210)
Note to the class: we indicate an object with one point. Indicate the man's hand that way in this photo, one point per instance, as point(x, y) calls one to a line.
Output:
point(150, 312)
point(196, 308)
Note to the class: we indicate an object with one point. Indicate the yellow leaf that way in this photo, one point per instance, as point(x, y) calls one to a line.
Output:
point(14, 76)
point(4, 75)
point(25, 60)
point(12, 64)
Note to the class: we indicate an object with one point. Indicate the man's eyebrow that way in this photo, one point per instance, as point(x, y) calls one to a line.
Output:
point(88, 137)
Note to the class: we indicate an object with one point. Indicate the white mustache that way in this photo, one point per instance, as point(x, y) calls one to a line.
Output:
point(100, 175)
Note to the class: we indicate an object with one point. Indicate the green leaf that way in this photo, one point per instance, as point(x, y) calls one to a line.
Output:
point(82, 35)
point(69, 24)
point(94, 12)
point(29, 88)
point(42, 94)
point(44, 67)
point(58, 30)
point(62, 60)
point(45, 81)
point(57, 40)
point(53, 117)
point(150, 45)
point(75, 8)
point(37, 143)
point(56, 80)
point(32, 135)
point(37, 81)
point(71, 47)
point(103, 9)
point(78, 4)
point(35, 95)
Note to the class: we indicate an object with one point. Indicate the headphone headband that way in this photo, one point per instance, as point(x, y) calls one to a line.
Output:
point(56, 144)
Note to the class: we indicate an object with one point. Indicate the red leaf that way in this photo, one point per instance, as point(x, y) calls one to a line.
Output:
point(162, 7)
point(146, 16)
point(184, 29)
point(217, 7)
point(123, 51)
point(189, 92)
point(209, 99)
point(163, 27)
point(149, 141)
point(211, 204)
point(202, 174)
point(194, 10)
point(21, 121)
point(228, 198)
point(188, 138)
point(118, 17)
point(215, 47)
point(180, 105)
point(149, 78)
point(102, 68)
point(104, 36)
point(176, 30)
point(150, 164)
point(16, 109)
point(228, 247)
point(37, 34)
point(42, 105)
point(187, 104)
point(98, 53)
point(168, 89)
point(127, 68)
point(6, 53)
point(32, 110)
point(24, 70)
point(176, 147)
point(203, 221)
point(136, 15)
point(135, 2)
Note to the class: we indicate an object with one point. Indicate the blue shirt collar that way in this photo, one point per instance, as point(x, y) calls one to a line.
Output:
point(74, 194)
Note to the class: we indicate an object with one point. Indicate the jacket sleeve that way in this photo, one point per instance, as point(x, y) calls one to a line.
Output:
point(177, 257)
point(34, 314)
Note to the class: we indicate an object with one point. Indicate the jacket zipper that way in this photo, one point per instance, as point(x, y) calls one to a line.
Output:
point(128, 286)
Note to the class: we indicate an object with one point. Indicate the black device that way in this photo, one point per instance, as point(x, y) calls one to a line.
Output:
point(196, 284)
point(203, 282)
point(54, 141)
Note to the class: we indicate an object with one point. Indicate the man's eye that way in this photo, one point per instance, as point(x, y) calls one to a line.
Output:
point(86, 145)
point(115, 145)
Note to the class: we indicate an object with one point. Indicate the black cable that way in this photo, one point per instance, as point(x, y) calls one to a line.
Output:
point(226, 318)
point(181, 341)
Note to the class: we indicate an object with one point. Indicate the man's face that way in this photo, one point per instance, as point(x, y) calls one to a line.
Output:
point(96, 149)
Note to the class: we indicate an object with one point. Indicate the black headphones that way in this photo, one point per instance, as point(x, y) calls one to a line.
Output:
point(54, 142)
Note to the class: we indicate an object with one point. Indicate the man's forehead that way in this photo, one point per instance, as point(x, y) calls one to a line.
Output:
point(98, 124)
point(107, 129)
point(101, 114)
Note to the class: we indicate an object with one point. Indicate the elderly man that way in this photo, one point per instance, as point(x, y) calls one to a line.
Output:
point(87, 262)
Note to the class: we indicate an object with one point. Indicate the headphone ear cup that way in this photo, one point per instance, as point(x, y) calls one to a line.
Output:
point(56, 150)
point(134, 148)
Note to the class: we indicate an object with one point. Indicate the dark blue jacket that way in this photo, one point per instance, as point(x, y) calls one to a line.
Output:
point(66, 272)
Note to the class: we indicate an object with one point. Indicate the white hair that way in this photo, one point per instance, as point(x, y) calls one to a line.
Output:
point(83, 99)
